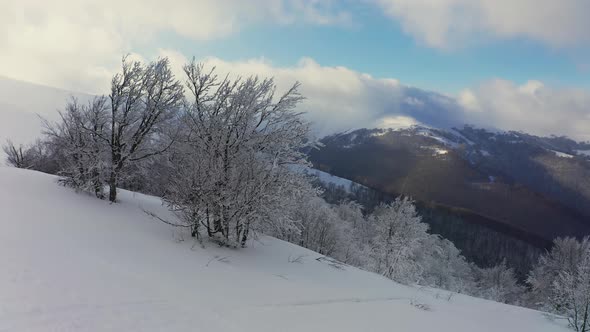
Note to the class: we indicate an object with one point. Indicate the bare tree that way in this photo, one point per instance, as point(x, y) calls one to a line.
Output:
point(561, 281)
point(143, 98)
point(564, 257)
point(498, 283)
point(232, 174)
point(399, 235)
point(571, 295)
point(16, 155)
point(81, 151)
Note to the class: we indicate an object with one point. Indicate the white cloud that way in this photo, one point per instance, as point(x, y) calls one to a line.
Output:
point(78, 44)
point(531, 107)
point(339, 99)
point(469, 101)
point(397, 121)
point(451, 23)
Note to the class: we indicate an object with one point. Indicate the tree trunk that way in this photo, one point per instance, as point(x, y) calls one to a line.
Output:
point(113, 187)
point(245, 234)
point(98, 189)
point(116, 166)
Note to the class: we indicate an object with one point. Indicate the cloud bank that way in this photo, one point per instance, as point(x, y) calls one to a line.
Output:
point(448, 24)
point(339, 99)
point(78, 44)
point(531, 107)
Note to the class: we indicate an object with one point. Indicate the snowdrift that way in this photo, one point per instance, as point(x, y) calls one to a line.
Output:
point(70, 262)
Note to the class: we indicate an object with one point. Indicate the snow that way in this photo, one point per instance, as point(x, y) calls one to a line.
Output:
point(380, 133)
point(333, 179)
point(583, 152)
point(457, 133)
point(22, 103)
point(561, 154)
point(71, 262)
point(327, 178)
point(436, 151)
point(485, 153)
point(428, 133)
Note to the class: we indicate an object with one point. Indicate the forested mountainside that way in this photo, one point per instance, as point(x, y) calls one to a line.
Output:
point(481, 240)
point(502, 195)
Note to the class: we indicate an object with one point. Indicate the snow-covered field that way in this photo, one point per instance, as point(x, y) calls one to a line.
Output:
point(70, 262)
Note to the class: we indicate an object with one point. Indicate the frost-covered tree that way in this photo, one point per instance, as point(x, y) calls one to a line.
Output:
point(40, 156)
point(100, 142)
point(564, 257)
point(352, 212)
point(327, 229)
point(399, 236)
point(231, 174)
point(16, 156)
point(498, 283)
point(356, 232)
point(571, 295)
point(77, 139)
point(560, 281)
point(445, 267)
point(143, 99)
point(320, 228)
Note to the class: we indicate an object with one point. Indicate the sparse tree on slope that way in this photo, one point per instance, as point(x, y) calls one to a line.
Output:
point(77, 140)
point(498, 283)
point(16, 156)
point(565, 257)
point(98, 142)
point(445, 267)
point(571, 295)
point(399, 236)
point(561, 281)
point(232, 173)
point(321, 229)
point(357, 234)
point(143, 99)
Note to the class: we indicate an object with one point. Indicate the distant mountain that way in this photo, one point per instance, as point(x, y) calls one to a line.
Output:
point(526, 184)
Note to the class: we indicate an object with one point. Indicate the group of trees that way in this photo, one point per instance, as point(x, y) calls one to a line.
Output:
point(101, 140)
point(230, 173)
point(394, 242)
point(561, 281)
point(219, 150)
point(223, 154)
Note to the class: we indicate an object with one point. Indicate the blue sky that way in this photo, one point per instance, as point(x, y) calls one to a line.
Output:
point(373, 43)
point(518, 65)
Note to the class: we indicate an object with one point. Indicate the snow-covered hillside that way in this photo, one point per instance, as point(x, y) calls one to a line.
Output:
point(328, 179)
point(74, 263)
point(21, 103)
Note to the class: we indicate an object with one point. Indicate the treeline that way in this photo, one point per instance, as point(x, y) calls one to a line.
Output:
point(223, 154)
point(558, 279)
point(481, 240)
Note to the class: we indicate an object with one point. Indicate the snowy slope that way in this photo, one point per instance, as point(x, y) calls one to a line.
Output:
point(21, 103)
point(74, 263)
point(327, 178)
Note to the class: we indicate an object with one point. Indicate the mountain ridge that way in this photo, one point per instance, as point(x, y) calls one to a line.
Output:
point(473, 160)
